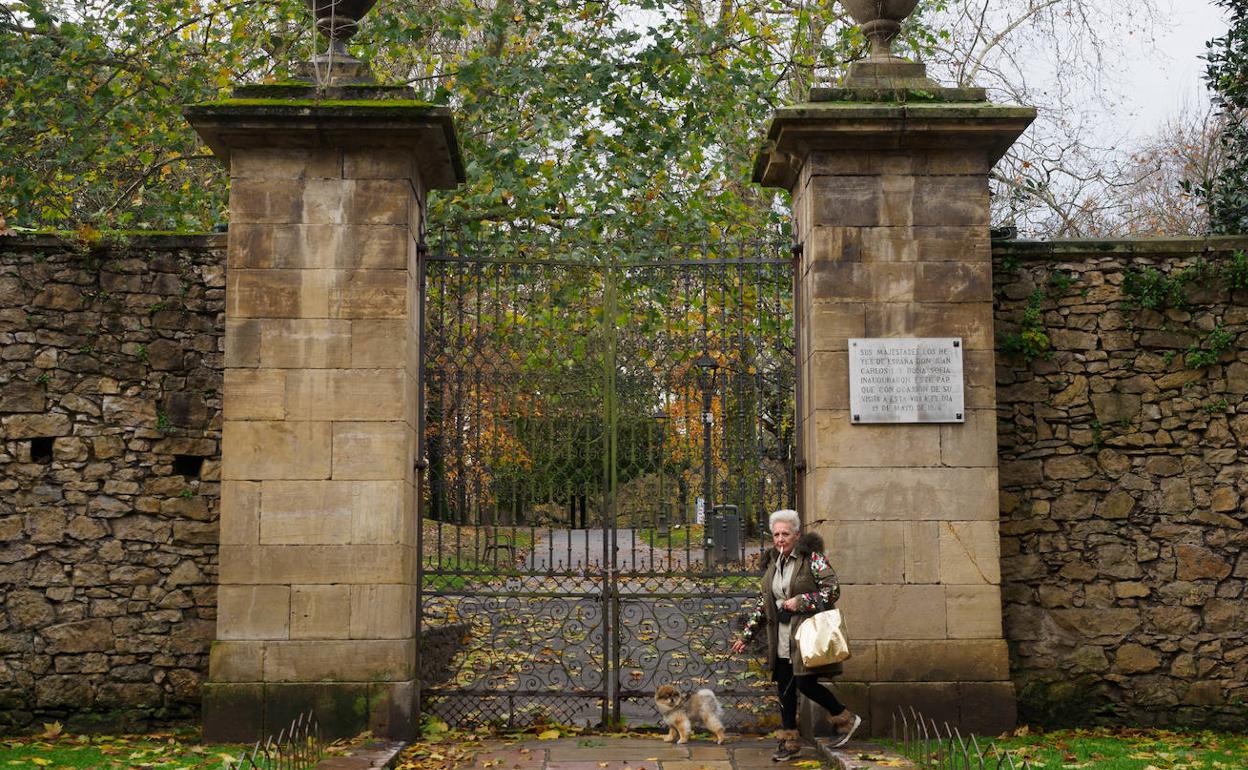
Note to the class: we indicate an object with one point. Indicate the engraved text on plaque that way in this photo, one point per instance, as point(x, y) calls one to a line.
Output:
point(906, 380)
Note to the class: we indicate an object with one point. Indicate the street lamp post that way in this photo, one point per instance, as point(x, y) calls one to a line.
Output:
point(662, 524)
point(707, 367)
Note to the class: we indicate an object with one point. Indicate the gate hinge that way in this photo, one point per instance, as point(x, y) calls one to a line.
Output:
point(422, 247)
point(421, 463)
point(796, 249)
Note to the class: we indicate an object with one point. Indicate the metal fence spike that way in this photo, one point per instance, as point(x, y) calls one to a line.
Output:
point(964, 758)
point(929, 747)
point(296, 747)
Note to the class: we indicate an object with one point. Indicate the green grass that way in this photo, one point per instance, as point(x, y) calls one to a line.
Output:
point(737, 582)
point(1130, 749)
point(690, 536)
point(158, 751)
point(1127, 749)
point(520, 537)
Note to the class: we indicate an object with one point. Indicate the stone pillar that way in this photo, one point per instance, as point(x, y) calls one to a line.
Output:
point(890, 202)
point(317, 565)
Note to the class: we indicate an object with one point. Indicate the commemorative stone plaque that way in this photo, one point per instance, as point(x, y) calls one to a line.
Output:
point(906, 380)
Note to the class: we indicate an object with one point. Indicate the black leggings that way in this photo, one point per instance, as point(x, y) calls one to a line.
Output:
point(789, 686)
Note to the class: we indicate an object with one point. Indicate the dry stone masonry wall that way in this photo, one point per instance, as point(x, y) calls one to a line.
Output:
point(109, 445)
point(1124, 481)
point(1123, 436)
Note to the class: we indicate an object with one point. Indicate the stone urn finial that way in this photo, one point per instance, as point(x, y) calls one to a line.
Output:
point(338, 20)
point(880, 21)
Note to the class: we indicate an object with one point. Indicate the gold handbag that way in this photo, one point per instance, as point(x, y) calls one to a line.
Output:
point(821, 639)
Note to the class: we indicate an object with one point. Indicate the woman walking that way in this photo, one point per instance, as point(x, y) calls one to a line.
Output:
point(797, 582)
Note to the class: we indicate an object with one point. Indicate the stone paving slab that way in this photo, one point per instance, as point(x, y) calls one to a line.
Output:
point(738, 752)
point(862, 757)
point(619, 764)
point(372, 756)
point(659, 752)
point(637, 753)
point(509, 759)
point(697, 764)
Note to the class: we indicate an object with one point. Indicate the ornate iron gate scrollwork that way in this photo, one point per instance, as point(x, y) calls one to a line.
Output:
point(571, 395)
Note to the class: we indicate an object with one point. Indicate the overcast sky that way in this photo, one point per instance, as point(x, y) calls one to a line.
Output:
point(1166, 74)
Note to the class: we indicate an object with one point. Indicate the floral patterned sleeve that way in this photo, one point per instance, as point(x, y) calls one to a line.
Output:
point(755, 620)
point(828, 591)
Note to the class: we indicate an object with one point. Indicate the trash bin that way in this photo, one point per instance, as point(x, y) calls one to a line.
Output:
point(723, 535)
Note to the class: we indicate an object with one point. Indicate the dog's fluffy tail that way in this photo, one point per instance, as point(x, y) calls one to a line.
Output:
point(708, 696)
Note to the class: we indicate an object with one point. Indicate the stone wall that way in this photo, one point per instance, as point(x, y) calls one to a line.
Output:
point(1124, 488)
point(1124, 491)
point(109, 439)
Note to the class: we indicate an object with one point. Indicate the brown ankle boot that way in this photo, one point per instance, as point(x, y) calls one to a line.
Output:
point(790, 746)
point(845, 724)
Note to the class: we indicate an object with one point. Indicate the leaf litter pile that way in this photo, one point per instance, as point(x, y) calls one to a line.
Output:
point(442, 748)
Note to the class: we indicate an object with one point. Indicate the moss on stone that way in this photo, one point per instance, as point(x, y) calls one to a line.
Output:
point(1028, 250)
point(1074, 702)
point(301, 89)
point(960, 108)
point(898, 95)
point(371, 104)
point(53, 233)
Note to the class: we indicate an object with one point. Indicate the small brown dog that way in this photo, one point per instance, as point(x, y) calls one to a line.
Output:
point(679, 711)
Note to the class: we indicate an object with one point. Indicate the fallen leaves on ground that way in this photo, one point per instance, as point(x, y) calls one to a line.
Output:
point(55, 748)
point(1126, 748)
point(344, 746)
point(442, 748)
point(880, 760)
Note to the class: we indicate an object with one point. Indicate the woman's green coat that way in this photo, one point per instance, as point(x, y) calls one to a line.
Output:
point(815, 581)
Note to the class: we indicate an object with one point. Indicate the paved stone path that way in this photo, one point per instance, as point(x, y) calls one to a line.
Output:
point(741, 752)
point(561, 549)
point(591, 752)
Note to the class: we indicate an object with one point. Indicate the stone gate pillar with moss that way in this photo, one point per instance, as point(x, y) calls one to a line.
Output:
point(889, 182)
point(318, 544)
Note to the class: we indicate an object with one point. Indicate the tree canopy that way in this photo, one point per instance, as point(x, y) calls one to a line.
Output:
point(638, 114)
point(91, 130)
point(591, 117)
point(1226, 194)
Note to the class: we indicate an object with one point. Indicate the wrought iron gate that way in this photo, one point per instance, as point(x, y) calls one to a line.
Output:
point(598, 422)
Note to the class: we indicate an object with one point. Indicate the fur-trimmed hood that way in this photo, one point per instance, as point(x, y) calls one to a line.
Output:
point(809, 543)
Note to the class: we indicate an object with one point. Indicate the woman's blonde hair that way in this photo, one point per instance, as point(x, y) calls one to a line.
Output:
point(786, 515)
